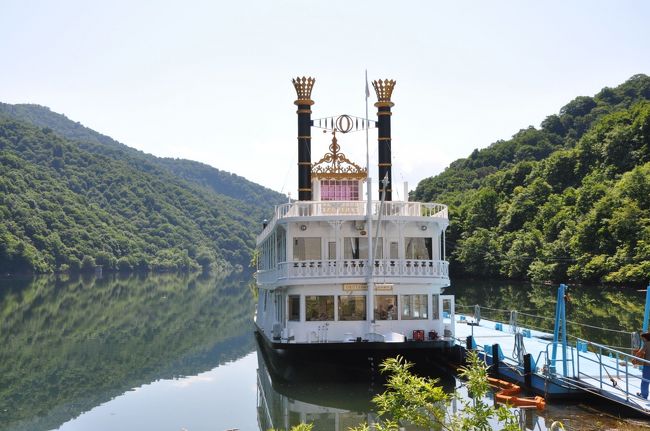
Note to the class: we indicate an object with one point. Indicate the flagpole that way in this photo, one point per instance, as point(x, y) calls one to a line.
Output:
point(371, 260)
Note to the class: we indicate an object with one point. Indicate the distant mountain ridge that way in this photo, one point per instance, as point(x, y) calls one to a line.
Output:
point(567, 201)
point(161, 214)
point(222, 182)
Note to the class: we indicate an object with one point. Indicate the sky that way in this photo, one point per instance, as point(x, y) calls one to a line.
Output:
point(211, 80)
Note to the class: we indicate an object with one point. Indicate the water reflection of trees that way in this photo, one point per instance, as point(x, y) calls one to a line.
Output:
point(596, 306)
point(67, 345)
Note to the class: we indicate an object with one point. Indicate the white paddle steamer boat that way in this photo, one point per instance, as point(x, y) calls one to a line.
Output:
point(345, 282)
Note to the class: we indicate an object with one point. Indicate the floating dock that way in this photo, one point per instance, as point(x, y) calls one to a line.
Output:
point(547, 364)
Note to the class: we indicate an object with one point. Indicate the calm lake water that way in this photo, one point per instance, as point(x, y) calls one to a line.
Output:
point(171, 352)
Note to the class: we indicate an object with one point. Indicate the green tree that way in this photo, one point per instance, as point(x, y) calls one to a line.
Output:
point(88, 264)
point(479, 252)
point(482, 211)
point(411, 399)
point(521, 253)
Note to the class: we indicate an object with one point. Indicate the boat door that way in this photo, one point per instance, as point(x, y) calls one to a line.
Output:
point(280, 308)
point(448, 315)
point(279, 314)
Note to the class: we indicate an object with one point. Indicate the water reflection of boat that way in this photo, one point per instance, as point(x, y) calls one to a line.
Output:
point(327, 406)
point(339, 405)
point(331, 405)
point(345, 281)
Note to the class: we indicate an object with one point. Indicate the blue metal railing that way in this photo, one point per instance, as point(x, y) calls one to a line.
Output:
point(620, 370)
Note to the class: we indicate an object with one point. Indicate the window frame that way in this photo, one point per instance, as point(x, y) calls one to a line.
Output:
point(363, 308)
point(406, 301)
point(320, 312)
point(290, 308)
point(395, 303)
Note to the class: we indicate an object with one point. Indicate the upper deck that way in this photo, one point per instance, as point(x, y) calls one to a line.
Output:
point(356, 210)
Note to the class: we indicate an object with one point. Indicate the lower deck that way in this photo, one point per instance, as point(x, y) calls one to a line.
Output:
point(342, 313)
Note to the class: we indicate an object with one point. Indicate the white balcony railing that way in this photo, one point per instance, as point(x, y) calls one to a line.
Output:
point(356, 208)
point(346, 268)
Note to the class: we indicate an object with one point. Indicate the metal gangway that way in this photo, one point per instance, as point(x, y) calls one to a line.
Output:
point(552, 365)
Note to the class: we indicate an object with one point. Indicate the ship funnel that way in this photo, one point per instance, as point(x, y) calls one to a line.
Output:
point(303, 88)
point(384, 89)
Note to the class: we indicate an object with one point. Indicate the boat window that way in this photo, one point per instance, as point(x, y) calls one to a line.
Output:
point(434, 307)
point(281, 245)
point(394, 250)
point(357, 248)
point(385, 307)
point(280, 308)
point(418, 248)
point(414, 307)
point(351, 248)
point(339, 190)
point(306, 248)
point(319, 308)
point(331, 250)
point(352, 307)
point(294, 308)
point(378, 245)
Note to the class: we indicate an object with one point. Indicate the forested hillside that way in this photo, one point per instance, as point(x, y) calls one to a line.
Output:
point(221, 182)
point(71, 198)
point(567, 201)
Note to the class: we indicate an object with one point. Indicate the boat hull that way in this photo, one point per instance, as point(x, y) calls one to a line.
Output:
point(353, 361)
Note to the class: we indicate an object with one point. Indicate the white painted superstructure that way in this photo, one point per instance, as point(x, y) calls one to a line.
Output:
point(319, 248)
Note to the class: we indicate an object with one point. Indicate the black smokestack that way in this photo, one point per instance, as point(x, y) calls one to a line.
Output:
point(384, 90)
point(303, 87)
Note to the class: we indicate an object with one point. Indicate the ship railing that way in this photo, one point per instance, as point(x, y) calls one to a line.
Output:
point(356, 268)
point(356, 208)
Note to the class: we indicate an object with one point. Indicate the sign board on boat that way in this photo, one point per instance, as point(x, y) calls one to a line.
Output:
point(347, 287)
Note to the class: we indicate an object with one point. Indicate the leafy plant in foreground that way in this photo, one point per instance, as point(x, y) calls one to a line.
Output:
point(420, 401)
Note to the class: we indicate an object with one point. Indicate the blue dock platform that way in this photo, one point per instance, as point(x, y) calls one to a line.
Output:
point(549, 365)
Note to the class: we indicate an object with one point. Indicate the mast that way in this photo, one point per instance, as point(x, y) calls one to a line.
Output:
point(370, 283)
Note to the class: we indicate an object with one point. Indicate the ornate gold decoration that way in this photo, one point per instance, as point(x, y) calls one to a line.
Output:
point(303, 87)
point(384, 89)
point(335, 165)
